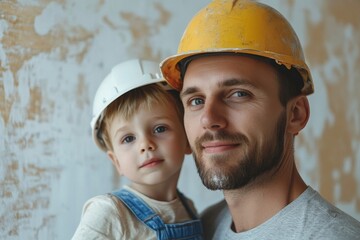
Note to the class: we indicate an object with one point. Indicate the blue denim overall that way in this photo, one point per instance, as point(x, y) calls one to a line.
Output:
point(191, 229)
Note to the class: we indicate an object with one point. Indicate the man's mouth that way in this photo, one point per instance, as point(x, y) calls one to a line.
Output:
point(218, 146)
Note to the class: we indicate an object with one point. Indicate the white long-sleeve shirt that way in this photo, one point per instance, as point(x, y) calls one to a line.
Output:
point(106, 217)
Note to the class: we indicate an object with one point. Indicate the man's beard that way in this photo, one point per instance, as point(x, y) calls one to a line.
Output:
point(227, 172)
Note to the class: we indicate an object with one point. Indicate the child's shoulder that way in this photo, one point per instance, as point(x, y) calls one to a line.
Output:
point(100, 217)
point(101, 204)
point(105, 206)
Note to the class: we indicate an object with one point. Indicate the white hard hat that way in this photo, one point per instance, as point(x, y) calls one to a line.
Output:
point(123, 78)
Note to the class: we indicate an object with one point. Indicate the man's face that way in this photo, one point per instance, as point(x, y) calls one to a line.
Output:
point(233, 119)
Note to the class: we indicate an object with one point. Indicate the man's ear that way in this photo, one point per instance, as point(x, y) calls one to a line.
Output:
point(298, 115)
point(114, 161)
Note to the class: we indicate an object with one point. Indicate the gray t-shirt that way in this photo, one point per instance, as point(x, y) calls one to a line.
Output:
point(308, 217)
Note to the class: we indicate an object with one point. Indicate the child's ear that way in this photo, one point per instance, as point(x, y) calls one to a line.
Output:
point(188, 149)
point(298, 115)
point(114, 161)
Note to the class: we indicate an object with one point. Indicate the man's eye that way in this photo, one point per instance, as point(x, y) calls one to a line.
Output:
point(240, 94)
point(160, 129)
point(196, 101)
point(128, 139)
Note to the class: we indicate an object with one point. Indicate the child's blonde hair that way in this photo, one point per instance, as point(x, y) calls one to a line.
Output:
point(129, 103)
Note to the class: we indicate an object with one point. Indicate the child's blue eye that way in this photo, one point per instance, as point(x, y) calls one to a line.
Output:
point(128, 139)
point(160, 129)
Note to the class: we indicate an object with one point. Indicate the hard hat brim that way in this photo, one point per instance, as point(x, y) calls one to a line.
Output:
point(171, 72)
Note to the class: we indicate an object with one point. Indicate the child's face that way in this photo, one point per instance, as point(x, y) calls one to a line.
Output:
point(149, 148)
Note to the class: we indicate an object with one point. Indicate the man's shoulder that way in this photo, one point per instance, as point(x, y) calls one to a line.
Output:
point(214, 218)
point(333, 223)
point(320, 218)
point(214, 210)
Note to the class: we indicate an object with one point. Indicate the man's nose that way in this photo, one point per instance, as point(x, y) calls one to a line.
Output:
point(213, 116)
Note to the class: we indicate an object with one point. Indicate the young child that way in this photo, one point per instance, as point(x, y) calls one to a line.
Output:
point(137, 121)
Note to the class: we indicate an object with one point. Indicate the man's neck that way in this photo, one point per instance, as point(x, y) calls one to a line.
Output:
point(252, 205)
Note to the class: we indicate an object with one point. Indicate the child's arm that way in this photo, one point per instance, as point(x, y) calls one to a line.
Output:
point(99, 220)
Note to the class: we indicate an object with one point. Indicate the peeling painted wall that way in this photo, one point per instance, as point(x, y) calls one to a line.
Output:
point(53, 55)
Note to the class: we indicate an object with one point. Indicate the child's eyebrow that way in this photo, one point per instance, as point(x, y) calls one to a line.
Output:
point(119, 130)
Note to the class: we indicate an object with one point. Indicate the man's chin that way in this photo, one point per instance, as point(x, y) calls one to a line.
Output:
point(214, 179)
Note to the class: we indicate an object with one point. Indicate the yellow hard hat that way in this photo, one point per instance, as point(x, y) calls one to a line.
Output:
point(239, 26)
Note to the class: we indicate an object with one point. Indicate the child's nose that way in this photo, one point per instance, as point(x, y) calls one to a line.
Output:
point(147, 145)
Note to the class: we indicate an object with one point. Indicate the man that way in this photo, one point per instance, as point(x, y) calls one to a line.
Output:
point(243, 80)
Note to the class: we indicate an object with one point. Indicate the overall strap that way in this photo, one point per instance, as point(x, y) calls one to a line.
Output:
point(140, 209)
point(187, 230)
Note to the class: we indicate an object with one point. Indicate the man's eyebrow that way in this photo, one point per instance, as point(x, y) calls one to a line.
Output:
point(188, 91)
point(226, 83)
point(234, 82)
